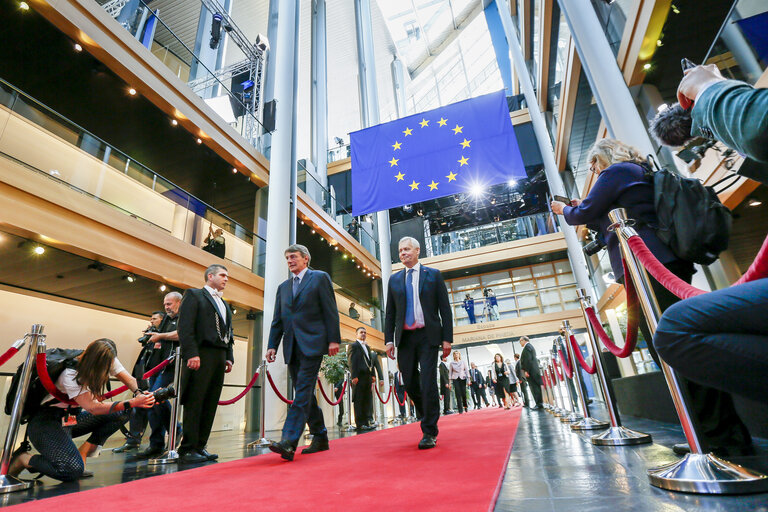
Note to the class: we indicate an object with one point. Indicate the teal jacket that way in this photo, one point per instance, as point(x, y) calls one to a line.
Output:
point(736, 114)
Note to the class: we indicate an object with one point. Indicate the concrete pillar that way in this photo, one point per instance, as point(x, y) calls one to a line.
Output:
point(319, 110)
point(554, 181)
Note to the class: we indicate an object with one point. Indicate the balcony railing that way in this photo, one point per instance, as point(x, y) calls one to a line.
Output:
point(339, 153)
point(490, 234)
point(47, 142)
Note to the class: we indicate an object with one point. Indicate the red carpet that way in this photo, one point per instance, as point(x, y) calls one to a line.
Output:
point(375, 471)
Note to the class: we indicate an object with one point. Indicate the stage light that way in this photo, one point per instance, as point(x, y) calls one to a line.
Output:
point(132, 91)
point(39, 250)
point(163, 287)
point(24, 6)
point(78, 48)
point(476, 190)
point(511, 183)
point(199, 141)
point(215, 31)
point(174, 122)
point(647, 66)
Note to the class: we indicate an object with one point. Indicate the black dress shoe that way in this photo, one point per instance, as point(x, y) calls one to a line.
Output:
point(369, 427)
point(427, 442)
point(128, 446)
point(192, 458)
point(86, 474)
point(210, 456)
point(318, 444)
point(681, 448)
point(284, 448)
point(536, 407)
point(151, 452)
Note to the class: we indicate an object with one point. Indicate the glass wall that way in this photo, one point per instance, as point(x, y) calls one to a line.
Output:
point(523, 291)
point(740, 51)
point(558, 60)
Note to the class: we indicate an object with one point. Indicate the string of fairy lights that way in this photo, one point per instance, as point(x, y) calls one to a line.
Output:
point(345, 254)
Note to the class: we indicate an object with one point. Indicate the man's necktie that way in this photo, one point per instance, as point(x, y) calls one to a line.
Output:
point(410, 317)
point(296, 282)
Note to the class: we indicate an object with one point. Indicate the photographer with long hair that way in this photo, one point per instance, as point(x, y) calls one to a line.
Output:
point(54, 424)
point(622, 183)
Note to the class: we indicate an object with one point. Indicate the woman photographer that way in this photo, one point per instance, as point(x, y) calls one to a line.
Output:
point(622, 182)
point(54, 424)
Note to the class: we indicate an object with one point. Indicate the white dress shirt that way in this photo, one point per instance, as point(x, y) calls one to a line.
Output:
point(219, 302)
point(366, 353)
point(418, 313)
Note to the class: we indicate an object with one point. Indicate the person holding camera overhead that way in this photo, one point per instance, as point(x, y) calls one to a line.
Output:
point(54, 424)
point(622, 183)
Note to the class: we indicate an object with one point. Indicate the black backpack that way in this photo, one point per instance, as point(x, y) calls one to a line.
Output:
point(691, 219)
point(58, 359)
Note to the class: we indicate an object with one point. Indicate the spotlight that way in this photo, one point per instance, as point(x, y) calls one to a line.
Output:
point(78, 48)
point(754, 202)
point(163, 287)
point(24, 6)
point(234, 170)
point(39, 250)
point(132, 91)
point(262, 43)
point(647, 66)
point(511, 183)
point(476, 190)
point(215, 31)
point(199, 141)
point(130, 278)
point(174, 122)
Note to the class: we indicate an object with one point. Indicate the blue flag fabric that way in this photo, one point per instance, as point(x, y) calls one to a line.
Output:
point(463, 147)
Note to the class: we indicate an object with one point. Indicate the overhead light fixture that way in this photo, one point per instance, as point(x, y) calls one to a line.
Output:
point(754, 202)
point(39, 249)
point(130, 278)
point(199, 141)
point(96, 265)
point(345, 256)
point(132, 91)
point(174, 122)
point(647, 66)
point(78, 48)
point(234, 170)
point(262, 43)
point(313, 231)
point(24, 6)
point(163, 287)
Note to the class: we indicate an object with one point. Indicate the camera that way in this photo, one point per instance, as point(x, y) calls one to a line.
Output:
point(593, 247)
point(163, 394)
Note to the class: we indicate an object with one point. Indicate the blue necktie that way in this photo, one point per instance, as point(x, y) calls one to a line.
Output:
point(410, 317)
point(296, 282)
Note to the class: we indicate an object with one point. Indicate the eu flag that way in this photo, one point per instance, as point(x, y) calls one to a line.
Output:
point(466, 146)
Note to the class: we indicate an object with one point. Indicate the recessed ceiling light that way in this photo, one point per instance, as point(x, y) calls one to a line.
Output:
point(754, 202)
point(163, 287)
point(132, 91)
point(234, 170)
point(199, 141)
point(39, 250)
point(647, 66)
point(78, 48)
point(174, 122)
point(24, 6)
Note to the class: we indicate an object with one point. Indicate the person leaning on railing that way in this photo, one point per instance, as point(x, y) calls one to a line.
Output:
point(622, 183)
point(54, 424)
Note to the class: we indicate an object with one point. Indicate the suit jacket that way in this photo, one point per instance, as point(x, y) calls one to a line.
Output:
point(433, 295)
point(476, 377)
point(197, 325)
point(309, 321)
point(359, 367)
point(530, 363)
point(736, 114)
point(519, 372)
point(444, 376)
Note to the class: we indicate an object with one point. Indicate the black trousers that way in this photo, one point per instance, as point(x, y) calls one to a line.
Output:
point(337, 394)
point(138, 419)
point(535, 391)
point(417, 359)
point(200, 396)
point(713, 410)
point(460, 390)
point(523, 389)
point(362, 398)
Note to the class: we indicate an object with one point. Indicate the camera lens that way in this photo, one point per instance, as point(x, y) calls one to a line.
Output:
point(163, 394)
point(592, 248)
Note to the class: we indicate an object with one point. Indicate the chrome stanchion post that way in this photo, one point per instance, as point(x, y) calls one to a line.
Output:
point(588, 423)
point(9, 483)
point(558, 411)
point(262, 441)
point(696, 472)
point(574, 416)
point(547, 393)
point(171, 456)
point(616, 435)
point(349, 427)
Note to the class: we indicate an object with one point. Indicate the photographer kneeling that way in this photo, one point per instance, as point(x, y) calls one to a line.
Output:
point(53, 425)
point(622, 183)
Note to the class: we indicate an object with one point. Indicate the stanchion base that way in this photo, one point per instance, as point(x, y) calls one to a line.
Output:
point(589, 424)
point(259, 443)
point(620, 436)
point(558, 412)
point(571, 418)
point(707, 474)
point(349, 428)
point(169, 457)
point(13, 484)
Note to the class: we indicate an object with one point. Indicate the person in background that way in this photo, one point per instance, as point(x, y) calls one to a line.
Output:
point(459, 375)
point(477, 384)
point(353, 228)
point(522, 380)
point(469, 307)
point(529, 363)
point(493, 304)
point(500, 373)
point(215, 243)
point(445, 385)
point(354, 314)
point(492, 389)
point(513, 381)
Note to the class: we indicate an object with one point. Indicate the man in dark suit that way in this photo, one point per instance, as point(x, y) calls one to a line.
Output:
point(363, 367)
point(523, 381)
point(529, 363)
point(477, 383)
point(445, 385)
point(419, 323)
point(205, 333)
point(306, 319)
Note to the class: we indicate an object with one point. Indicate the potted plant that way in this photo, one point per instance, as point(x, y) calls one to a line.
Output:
point(334, 367)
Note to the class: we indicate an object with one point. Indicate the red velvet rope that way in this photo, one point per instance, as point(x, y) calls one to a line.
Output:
point(45, 380)
point(277, 391)
point(566, 365)
point(577, 353)
point(150, 373)
point(8, 354)
point(376, 389)
point(405, 396)
point(341, 396)
point(654, 267)
point(243, 393)
point(546, 378)
point(557, 369)
point(759, 268)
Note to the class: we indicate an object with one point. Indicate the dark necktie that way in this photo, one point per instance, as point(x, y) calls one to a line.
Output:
point(410, 316)
point(296, 282)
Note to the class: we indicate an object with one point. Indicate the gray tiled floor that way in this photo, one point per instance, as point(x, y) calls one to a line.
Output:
point(552, 468)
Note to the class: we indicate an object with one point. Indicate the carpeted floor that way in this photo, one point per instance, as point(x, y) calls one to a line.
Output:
point(361, 472)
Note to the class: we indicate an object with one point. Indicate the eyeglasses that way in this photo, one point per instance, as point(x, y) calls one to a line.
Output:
point(592, 167)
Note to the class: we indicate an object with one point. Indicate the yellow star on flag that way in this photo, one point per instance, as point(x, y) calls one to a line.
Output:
point(457, 129)
point(465, 144)
point(433, 185)
point(397, 145)
point(463, 161)
point(424, 123)
point(407, 131)
point(393, 162)
point(414, 186)
point(400, 176)
point(442, 122)
point(451, 176)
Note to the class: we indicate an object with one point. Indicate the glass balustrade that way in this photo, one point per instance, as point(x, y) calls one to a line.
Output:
point(490, 234)
point(46, 142)
point(362, 310)
point(339, 153)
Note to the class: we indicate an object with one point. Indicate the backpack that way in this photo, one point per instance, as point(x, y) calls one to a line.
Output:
point(691, 219)
point(58, 359)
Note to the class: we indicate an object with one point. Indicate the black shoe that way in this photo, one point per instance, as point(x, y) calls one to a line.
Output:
point(192, 458)
point(318, 444)
point(210, 456)
point(681, 448)
point(286, 449)
point(446, 413)
point(86, 474)
point(151, 452)
point(128, 446)
point(427, 442)
point(536, 407)
point(367, 428)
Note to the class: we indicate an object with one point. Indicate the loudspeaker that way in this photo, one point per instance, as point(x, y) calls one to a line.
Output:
point(268, 119)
